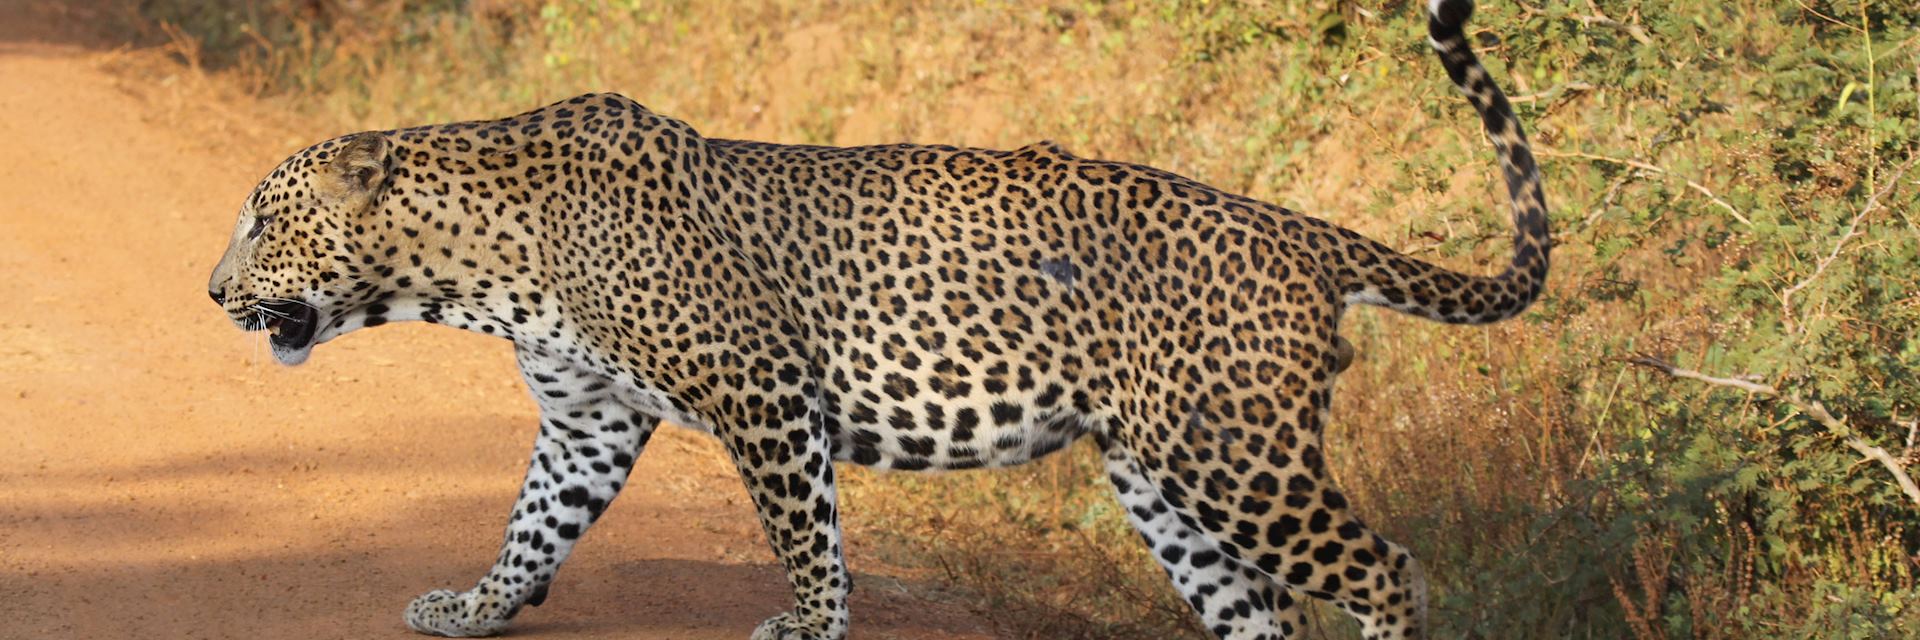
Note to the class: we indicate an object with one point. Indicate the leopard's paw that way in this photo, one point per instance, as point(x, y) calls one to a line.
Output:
point(458, 615)
point(786, 626)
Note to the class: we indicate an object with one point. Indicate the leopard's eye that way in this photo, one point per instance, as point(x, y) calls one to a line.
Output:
point(259, 226)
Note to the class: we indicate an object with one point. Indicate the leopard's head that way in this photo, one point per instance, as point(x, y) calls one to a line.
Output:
point(301, 258)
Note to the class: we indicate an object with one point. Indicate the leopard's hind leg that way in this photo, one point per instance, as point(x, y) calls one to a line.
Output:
point(1261, 496)
point(1234, 601)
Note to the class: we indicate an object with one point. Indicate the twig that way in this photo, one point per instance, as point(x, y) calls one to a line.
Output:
point(1606, 201)
point(1853, 229)
point(1828, 18)
point(1872, 83)
point(1677, 372)
point(1632, 30)
point(1910, 455)
point(1812, 408)
point(1551, 93)
point(1916, 103)
point(1648, 167)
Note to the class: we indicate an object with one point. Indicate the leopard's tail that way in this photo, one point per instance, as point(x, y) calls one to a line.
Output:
point(1378, 275)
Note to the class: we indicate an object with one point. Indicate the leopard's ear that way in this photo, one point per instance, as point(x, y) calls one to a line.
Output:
point(357, 169)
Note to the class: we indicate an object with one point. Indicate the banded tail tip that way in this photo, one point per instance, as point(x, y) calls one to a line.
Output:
point(1450, 13)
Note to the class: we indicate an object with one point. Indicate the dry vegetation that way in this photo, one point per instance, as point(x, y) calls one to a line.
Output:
point(1706, 160)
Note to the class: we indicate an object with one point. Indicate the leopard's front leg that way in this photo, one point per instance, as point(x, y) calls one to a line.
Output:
point(786, 463)
point(587, 444)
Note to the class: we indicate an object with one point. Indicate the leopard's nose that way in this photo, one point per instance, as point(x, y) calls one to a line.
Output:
point(219, 296)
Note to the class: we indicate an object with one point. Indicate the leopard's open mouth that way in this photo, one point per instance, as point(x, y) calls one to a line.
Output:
point(291, 327)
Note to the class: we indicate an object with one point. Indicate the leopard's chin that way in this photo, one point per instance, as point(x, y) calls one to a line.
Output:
point(292, 329)
point(290, 356)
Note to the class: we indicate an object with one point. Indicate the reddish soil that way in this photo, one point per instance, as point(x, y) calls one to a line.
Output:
point(160, 477)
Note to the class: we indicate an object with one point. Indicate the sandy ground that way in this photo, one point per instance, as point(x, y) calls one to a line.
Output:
point(160, 477)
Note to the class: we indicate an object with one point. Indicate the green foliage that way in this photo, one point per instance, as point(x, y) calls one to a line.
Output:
point(1551, 489)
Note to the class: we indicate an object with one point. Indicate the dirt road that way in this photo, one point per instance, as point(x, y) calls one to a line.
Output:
point(160, 477)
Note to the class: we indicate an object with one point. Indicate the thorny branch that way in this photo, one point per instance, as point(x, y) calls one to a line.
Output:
point(1853, 229)
point(1702, 189)
point(1812, 408)
point(1549, 94)
point(1632, 30)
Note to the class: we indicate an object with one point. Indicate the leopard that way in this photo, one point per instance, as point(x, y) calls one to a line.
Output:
point(901, 307)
